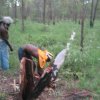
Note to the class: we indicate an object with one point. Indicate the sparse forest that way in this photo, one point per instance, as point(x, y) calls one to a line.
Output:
point(49, 24)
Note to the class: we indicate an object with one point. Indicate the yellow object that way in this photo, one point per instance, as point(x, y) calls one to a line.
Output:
point(42, 57)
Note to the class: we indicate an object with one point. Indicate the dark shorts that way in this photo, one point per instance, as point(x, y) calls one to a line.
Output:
point(20, 53)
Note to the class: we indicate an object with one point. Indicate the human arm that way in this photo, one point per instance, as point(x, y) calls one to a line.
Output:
point(9, 45)
point(4, 36)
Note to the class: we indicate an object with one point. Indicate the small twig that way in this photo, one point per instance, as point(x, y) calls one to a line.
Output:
point(15, 86)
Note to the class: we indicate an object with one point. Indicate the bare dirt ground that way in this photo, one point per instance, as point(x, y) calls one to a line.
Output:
point(61, 92)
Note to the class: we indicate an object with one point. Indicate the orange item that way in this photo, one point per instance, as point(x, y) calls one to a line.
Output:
point(42, 57)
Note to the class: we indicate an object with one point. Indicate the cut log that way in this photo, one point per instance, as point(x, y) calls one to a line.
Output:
point(27, 82)
point(29, 89)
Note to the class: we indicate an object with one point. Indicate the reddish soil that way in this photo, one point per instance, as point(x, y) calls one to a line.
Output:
point(61, 92)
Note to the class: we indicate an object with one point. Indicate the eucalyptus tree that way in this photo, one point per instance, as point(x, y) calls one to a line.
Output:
point(22, 13)
point(4, 7)
point(94, 5)
point(44, 11)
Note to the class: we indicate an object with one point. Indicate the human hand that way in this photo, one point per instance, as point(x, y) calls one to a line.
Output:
point(11, 49)
point(37, 76)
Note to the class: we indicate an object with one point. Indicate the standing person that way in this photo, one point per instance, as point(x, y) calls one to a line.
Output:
point(4, 43)
point(30, 51)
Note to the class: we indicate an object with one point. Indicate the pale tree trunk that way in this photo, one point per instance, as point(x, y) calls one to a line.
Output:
point(82, 34)
point(1, 8)
point(76, 14)
point(28, 9)
point(49, 11)
point(91, 16)
point(93, 13)
point(95, 9)
point(15, 11)
point(44, 11)
point(53, 14)
point(8, 8)
point(23, 16)
point(82, 27)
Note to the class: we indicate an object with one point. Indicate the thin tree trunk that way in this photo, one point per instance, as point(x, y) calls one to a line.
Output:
point(44, 11)
point(23, 16)
point(91, 16)
point(82, 27)
point(15, 12)
point(8, 8)
point(50, 11)
point(53, 14)
point(94, 15)
point(82, 32)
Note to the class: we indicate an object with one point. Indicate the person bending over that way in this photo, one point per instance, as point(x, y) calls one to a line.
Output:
point(30, 51)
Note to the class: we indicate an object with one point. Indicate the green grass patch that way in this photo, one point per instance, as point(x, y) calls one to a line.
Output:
point(85, 64)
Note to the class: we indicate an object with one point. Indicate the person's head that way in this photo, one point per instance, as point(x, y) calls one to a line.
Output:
point(7, 21)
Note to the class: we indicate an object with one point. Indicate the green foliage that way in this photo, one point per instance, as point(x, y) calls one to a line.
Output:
point(53, 39)
point(2, 96)
point(84, 64)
